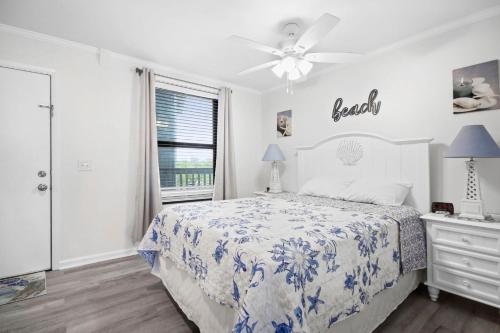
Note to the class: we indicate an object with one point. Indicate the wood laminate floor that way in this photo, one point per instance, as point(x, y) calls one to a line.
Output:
point(122, 296)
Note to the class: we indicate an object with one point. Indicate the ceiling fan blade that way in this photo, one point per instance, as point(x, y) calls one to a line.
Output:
point(259, 67)
point(336, 58)
point(256, 45)
point(317, 31)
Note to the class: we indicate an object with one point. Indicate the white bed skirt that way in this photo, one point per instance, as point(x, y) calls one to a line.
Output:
point(211, 317)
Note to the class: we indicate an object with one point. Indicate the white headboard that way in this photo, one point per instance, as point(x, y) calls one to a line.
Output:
point(354, 155)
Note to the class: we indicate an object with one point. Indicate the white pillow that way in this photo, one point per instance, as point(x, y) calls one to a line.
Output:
point(380, 192)
point(324, 187)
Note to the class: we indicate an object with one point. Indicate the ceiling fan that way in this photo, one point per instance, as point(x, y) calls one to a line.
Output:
point(295, 62)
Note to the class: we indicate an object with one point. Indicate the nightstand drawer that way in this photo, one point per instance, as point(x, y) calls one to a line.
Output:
point(467, 284)
point(469, 261)
point(469, 238)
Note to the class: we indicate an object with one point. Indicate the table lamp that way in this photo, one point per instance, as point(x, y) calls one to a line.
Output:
point(473, 141)
point(274, 154)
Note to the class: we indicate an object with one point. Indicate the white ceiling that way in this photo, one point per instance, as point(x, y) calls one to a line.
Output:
point(190, 35)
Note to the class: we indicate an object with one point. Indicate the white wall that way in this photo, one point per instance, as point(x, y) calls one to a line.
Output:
point(415, 87)
point(248, 142)
point(95, 119)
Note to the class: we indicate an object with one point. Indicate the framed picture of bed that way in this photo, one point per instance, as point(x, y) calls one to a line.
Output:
point(302, 262)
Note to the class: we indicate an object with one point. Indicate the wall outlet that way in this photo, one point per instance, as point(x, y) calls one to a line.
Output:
point(84, 165)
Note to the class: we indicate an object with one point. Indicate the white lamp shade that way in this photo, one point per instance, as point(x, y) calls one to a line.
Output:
point(273, 153)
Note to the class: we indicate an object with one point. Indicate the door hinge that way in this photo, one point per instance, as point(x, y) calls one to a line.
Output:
point(50, 107)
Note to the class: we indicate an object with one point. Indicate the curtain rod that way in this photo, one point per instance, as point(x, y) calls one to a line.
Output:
point(140, 71)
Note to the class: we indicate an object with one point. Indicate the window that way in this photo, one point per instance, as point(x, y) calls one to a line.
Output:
point(186, 122)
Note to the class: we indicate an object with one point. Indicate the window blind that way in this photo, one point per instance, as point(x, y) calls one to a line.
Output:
point(187, 140)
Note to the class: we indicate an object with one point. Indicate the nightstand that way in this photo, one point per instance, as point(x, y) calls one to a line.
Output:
point(463, 258)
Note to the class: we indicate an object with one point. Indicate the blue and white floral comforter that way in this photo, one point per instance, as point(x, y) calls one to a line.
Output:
point(289, 263)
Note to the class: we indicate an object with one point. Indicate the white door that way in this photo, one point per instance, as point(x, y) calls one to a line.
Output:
point(25, 228)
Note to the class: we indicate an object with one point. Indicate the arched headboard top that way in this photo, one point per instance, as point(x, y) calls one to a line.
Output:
point(354, 155)
point(367, 135)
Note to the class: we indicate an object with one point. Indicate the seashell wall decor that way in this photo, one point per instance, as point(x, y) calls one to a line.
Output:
point(349, 152)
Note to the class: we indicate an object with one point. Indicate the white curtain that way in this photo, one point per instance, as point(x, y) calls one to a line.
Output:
point(148, 190)
point(224, 182)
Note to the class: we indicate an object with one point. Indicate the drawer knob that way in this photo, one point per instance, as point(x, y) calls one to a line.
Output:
point(465, 240)
point(466, 283)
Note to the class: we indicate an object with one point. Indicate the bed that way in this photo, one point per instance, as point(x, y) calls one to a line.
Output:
point(298, 263)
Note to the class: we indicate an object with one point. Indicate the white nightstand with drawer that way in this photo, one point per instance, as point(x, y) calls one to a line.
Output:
point(463, 258)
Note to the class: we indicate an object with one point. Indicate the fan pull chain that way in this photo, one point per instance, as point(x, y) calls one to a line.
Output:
point(289, 86)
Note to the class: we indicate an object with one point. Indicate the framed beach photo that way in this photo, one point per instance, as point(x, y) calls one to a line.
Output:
point(284, 123)
point(476, 88)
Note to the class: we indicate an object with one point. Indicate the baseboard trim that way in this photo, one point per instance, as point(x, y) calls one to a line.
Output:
point(92, 259)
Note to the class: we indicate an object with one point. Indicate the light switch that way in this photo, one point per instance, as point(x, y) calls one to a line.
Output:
point(84, 165)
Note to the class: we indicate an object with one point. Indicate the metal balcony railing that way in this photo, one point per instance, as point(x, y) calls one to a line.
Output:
point(181, 178)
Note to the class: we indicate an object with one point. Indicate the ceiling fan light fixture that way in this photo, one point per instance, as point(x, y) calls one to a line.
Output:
point(294, 60)
point(304, 66)
point(294, 74)
point(278, 70)
point(288, 64)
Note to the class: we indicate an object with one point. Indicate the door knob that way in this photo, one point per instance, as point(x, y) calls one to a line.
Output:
point(42, 187)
